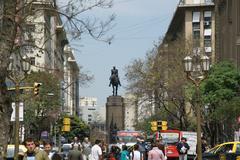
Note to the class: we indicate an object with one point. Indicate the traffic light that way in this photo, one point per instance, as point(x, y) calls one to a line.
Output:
point(164, 125)
point(158, 125)
point(66, 124)
point(36, 88)
point(154, 126)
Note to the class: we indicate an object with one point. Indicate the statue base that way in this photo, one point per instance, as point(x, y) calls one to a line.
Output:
point(114, 115)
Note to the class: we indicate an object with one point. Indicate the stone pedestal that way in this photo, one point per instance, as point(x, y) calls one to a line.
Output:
point(114, 115)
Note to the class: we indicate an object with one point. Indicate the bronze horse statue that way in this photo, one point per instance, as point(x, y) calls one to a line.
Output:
point(114, 81)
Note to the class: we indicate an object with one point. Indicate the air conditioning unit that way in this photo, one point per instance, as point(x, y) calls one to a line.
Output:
point(207, 23)
point(208, 49)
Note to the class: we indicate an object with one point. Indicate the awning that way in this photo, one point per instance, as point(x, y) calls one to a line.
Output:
point(196, 17)
point(207, 32)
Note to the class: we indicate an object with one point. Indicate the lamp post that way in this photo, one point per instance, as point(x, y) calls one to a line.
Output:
point(196, 69)
point(17, 73)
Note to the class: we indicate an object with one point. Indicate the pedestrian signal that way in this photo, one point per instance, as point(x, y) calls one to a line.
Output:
point(36, 87)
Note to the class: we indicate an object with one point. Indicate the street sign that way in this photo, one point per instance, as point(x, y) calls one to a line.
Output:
point(20, 111)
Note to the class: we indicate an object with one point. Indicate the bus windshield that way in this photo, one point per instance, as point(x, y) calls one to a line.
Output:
point(128, 136)
point(170, 138)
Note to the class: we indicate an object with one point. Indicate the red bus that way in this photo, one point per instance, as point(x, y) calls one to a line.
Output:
point(170, 138)
point(129, 137)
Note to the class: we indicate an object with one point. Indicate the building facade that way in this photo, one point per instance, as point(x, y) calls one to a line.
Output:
point(211, 25)
point(228, 30)
point(88, 109)
point(49, 51)
point(194, 22)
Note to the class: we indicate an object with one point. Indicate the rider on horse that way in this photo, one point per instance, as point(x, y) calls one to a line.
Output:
point(114, 72)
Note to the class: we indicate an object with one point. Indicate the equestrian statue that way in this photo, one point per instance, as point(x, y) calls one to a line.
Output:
point(114, 80)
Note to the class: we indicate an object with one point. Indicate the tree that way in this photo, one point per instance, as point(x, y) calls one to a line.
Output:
point(78, 128)
point(160, 80)
point(13, 22)
point(220, 93)
point(42, 109)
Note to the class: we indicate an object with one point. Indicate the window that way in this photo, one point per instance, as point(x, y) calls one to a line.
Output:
point(207, 19)
point(207, 41)
point(208, 1)
point(238, 148)
point(28, 32)
point(196, 31)
point(225, 148)
point(89, 115)
point(196, 35)
point(86, 103)
point(28, 49)
point(32, 60)
point(196, 28)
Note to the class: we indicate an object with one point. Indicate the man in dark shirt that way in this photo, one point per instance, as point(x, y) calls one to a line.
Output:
point(183, 148)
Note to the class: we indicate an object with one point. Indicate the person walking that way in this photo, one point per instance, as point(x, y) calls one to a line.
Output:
point(75, 153)
point(155, 153)
point(124, 155)
point(183, 148)
point(47, 146)
point(52, 155)
point(86, 148)
point(96, 151)
point(77, 143)
point(135, 154)
point(33, 153)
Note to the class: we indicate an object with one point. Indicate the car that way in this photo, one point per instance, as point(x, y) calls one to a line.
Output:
point(10, 151)
point(226, 149)
point(65, 149)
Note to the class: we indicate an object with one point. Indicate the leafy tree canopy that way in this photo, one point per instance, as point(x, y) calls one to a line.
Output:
point(222, 83)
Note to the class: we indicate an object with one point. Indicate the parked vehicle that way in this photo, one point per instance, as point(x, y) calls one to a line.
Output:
point(11, 148)
point(192, 142)
point(65, 149)
point(228, 149)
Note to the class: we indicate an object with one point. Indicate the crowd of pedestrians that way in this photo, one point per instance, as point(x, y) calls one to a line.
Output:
point(99, 151)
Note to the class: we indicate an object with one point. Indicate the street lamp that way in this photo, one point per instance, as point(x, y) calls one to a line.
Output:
point(196, 69)
point(17, 73)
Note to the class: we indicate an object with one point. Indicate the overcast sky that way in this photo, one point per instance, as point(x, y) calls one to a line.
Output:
point(139, 23)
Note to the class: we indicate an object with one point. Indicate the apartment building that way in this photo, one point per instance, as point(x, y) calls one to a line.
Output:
point(48, 50)
point(194, 22)
point(88, 109)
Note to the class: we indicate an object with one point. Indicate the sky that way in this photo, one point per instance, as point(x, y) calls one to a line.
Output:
point(138, 26)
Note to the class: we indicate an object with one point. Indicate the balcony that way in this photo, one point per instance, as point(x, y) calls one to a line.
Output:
point(195, 3)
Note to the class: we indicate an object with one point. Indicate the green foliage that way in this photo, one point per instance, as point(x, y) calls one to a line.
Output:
point(220, 91)
point(43, 109)
point(78, 128)
point(222, 83)
point(228, 110)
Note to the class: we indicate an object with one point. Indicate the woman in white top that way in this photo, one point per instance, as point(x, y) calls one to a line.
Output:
point(135, 154)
